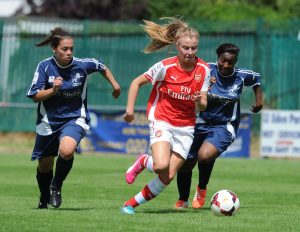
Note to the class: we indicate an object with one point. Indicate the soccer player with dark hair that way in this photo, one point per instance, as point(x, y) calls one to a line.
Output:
point(216, 127)
point(59, 86)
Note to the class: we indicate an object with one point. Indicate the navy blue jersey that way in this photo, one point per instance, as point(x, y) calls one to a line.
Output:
point(70, 103)
point(223, 100)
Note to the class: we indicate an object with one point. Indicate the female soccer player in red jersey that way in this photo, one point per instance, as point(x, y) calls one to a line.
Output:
point(179, 84)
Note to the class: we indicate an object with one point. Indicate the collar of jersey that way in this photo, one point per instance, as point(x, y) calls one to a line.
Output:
point(227, 75)
point(62, 66)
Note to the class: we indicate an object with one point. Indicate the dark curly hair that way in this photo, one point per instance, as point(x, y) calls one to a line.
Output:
point(227, 47)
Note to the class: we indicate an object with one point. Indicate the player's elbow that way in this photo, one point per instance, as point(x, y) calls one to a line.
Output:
point(35, 99)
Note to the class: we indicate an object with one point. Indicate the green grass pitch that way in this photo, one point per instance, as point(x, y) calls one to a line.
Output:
point(269, 192)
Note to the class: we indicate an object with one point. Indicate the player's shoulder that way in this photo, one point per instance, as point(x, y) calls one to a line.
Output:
point(85, 60)
point(243, 72)
point(46, 61)
point(212, 65)
point(45, 64)
point(170, 61)
point(201, 62)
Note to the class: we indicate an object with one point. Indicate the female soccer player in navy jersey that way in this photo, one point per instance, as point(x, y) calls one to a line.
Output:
point(178, 82)
point(217, 126)
point(60, 87)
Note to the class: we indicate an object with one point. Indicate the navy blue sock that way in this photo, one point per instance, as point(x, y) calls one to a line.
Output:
point(62, 169)
point(184, 180)
point(205, 170)
point(44, 181)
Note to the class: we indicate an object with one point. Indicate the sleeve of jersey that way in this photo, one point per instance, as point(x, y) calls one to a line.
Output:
point(92, 65)
point(206, 82)
point(252, 79)
point(156, 73)
point(38, 81)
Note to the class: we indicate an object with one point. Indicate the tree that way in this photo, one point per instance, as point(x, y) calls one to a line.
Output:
point(225, 9)
point(116, 10)
point(89, 9)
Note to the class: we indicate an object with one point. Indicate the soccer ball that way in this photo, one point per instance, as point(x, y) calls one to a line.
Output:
point(224, 203)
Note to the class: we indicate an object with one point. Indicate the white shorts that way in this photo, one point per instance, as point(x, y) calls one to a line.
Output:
point(180, 138)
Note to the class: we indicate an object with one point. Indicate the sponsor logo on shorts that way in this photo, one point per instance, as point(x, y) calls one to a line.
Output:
point(158, 133)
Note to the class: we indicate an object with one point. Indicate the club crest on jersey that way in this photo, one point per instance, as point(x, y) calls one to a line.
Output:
point(76, 80)
point(233, 91)
point(198, 77)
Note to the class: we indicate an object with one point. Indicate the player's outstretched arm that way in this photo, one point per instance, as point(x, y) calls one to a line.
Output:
point(132, 95)
point(111, 79)
point(258, 99)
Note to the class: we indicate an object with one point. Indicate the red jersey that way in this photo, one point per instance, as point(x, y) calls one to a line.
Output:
point(173, 88)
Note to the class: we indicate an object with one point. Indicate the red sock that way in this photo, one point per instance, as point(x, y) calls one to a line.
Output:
point(143, 161)
point(132, 202)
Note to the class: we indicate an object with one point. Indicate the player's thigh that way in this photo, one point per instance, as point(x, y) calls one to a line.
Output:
point(207, 152)
point(45, 146)
point(70, 137)
point(217, 141)
point(161, 154)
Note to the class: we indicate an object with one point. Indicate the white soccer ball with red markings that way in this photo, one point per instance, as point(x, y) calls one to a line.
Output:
point(224, 203)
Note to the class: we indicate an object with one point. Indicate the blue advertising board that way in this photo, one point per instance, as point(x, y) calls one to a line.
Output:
point(241, 145)
point(110, 133)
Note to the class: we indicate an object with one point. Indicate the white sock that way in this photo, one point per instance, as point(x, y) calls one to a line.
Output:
point(148, 163)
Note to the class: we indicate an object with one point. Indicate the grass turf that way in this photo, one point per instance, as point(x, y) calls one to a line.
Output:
point(94, 191)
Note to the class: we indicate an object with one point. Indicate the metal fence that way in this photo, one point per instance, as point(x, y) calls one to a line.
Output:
point(271, 49)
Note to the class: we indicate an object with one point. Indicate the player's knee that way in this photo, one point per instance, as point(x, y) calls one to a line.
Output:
point(160, 168)
point(66, 152)
point(171, 177)
point(204, 156)
point(67, 147)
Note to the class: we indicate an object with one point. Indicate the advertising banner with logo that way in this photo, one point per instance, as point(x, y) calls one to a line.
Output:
point(280, 133)
point(110, 133)
point(241, 145)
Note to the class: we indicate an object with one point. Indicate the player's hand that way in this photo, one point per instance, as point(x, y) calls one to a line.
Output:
point(57, 83)
point(196, 97)
point(213, 80)
point(256, 108)
point(116, 92)
point(128, 117)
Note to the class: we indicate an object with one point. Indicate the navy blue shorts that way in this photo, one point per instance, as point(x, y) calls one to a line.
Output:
point(48, 145)
point(221, 136)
